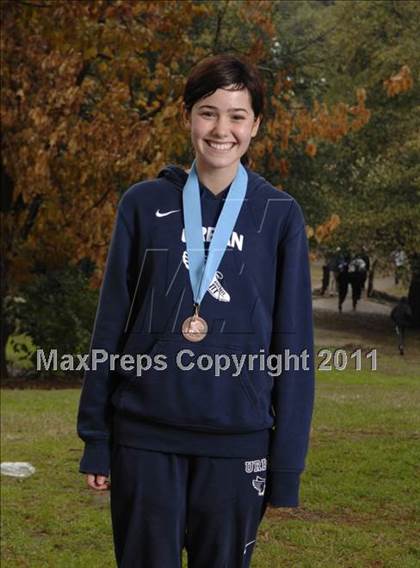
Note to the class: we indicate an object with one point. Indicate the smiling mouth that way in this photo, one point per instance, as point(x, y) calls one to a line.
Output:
point(219, 146)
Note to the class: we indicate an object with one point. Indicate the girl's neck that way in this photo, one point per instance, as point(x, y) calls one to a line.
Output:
point(216, 179)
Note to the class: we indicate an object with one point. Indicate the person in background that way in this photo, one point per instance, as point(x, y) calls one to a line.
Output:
point(336, 259)
point(342, 278)
point(326, 271)
point(325, 278)
point(399, 257)
point(364, 256)
point(356, 278)
point(402, 318)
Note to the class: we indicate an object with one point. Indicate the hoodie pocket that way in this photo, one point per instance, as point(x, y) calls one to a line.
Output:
point(187, 395)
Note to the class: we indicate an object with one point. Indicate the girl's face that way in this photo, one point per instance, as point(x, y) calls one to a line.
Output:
point(222, 126)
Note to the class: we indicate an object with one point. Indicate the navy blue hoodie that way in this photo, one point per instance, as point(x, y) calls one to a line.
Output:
point(258, 303)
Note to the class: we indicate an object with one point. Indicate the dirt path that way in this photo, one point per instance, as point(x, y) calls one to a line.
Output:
point(364, 306)
point(369, 326)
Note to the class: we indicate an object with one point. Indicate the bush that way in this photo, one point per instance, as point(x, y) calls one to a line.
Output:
point(57, 310)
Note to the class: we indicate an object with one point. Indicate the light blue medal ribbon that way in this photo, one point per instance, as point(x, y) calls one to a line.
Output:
point(201, 270)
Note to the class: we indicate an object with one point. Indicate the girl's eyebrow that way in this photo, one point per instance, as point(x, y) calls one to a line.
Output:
point(215, 108)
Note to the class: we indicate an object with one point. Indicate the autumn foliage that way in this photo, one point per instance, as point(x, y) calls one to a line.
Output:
point(91, 103)
point(400, 82)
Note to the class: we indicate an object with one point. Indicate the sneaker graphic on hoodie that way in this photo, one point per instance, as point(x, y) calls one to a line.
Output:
point(215, 288)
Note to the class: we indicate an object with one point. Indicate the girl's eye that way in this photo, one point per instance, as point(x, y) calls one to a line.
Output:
point(235, 117)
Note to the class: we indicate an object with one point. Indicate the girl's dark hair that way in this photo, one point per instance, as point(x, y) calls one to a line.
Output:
point(220, 71)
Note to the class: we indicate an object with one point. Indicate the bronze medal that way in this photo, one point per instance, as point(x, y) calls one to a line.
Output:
point(194, 327)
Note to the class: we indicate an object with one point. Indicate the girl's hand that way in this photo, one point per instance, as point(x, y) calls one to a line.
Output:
point(97, 482)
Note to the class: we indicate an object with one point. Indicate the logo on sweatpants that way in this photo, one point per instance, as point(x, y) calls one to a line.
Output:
point(259, 485)
point(248, 544)
point(256, 465)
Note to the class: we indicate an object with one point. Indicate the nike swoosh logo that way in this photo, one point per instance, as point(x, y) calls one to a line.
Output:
point(159, 214)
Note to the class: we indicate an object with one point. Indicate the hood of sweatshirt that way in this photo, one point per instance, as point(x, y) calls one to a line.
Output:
point(175, 174)
point(178, 177)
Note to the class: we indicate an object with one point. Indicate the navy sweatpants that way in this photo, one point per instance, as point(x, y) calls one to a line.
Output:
point(162, 502)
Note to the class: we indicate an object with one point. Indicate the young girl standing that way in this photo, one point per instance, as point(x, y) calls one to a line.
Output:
point(206, 298)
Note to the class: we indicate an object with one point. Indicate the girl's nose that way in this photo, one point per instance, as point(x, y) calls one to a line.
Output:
point(221, 128)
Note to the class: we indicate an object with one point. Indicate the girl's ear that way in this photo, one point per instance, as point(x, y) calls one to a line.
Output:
point(186, 117)
point(255, 126)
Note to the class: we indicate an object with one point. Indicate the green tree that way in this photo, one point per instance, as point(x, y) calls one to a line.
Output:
point(371, 179)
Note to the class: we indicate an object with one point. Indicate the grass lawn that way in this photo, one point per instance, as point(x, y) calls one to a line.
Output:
point(359, 496)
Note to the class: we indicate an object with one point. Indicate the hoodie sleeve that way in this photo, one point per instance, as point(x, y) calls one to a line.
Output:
point(293, 391)
point(95, 410)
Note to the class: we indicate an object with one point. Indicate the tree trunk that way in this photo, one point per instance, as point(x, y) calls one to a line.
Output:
point(371, 277)
point(6, 203)
point(3, 363)
point(5, 332)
